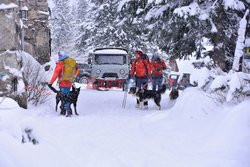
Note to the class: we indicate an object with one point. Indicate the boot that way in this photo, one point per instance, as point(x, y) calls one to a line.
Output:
point(145, 105)
point(69, 113)
point(137, 104)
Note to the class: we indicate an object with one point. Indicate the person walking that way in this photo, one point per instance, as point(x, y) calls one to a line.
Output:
point(65, 71)
point(140, 69)
point(158, 65)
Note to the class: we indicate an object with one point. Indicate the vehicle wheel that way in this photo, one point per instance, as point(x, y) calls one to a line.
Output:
point(83, 80)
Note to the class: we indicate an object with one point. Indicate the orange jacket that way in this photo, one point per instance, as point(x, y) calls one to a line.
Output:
point(157, 67)
point(58, 74)
point(140, 67)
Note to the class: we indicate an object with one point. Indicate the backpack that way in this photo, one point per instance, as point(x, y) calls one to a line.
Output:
point(69, 70)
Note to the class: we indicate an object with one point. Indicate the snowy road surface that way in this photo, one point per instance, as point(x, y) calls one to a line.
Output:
point(193, 132)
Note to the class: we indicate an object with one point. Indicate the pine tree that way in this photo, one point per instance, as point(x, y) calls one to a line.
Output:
point(62, 25)
point(171, 26)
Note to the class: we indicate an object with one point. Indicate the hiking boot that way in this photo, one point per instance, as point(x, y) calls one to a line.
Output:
point(63, 112)
point(68, 115)
point(145, 107)
point(137, 105)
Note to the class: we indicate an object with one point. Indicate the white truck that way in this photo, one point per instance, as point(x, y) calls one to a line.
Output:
point(109, 67)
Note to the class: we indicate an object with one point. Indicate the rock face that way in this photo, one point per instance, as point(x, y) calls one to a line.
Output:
point(37, 32)
point(11, 78)
point(8, 31)
point(37, 43)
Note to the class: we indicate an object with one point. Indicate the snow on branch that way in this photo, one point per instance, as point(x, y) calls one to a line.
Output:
point(155, 12)
point(158, 1)
point(8, 6)
point(154, 1)
point(238, 85)
point(121, 4)
point(214, 29)
point(224, 87)
point(186, 11)
point(234, 4)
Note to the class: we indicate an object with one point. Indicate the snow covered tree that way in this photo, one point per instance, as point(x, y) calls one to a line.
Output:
point(81, 19)
point(130, 24)
point(184, 25)
point(61, 25)
point(86, 25)
point(240, 42)
point(177, 27)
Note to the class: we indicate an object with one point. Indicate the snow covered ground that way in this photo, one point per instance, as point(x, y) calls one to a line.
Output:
point(193, 131)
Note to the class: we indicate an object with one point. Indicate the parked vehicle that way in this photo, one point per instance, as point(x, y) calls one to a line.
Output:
point(109, 67)
point(177, 80)
point(85, 73)
point(183, 81)
point(173, 80)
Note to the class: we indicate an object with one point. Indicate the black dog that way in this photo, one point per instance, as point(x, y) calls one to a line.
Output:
point(174, 94)
point(72, 97)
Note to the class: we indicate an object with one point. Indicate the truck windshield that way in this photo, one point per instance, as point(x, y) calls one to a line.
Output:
point(110, 59)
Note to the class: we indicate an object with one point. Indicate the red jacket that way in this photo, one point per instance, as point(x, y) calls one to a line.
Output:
point(58, 74)
point(157, 67)
point(141, 68)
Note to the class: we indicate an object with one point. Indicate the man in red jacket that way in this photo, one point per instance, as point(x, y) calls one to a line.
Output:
point(63, 85)
point(140, 69)
point(157, 65)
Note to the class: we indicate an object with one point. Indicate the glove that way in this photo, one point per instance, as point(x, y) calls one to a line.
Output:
point(59, 93)
point(50, 85)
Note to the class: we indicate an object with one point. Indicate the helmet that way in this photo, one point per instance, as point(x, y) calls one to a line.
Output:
point(139, 53)
point(62, 55)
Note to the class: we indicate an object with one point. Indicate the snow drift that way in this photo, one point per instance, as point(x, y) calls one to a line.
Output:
point(196, 131)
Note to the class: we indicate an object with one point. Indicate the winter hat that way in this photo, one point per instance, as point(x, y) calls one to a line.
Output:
point(156, 57)
point(62, 55)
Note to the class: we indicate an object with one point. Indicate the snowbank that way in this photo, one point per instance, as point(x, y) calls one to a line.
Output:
point(196, 130)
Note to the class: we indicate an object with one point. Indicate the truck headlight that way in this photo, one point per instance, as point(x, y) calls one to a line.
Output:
point(98, 71)
point(122, 71)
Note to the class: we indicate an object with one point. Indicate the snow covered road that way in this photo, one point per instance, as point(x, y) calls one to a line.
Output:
point(195, 131)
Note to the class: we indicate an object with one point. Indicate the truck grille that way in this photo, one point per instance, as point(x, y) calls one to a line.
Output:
point(110, 75)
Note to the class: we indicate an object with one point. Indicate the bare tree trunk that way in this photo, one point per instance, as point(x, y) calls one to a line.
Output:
point(240, 42)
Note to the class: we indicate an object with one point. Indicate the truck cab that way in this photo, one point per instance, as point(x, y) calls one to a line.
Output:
point(109, 67)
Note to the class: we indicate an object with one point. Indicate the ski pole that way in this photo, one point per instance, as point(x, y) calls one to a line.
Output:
point(125, 95)
point(124, 100)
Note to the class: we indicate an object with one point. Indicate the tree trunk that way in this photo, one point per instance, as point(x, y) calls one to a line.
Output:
point(240, 42)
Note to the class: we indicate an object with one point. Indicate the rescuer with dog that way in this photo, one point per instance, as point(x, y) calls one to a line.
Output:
point(65, 71)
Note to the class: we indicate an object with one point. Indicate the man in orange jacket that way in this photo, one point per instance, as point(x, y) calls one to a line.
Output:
point(63, 85)
point(157, 66)
point(141, 70)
